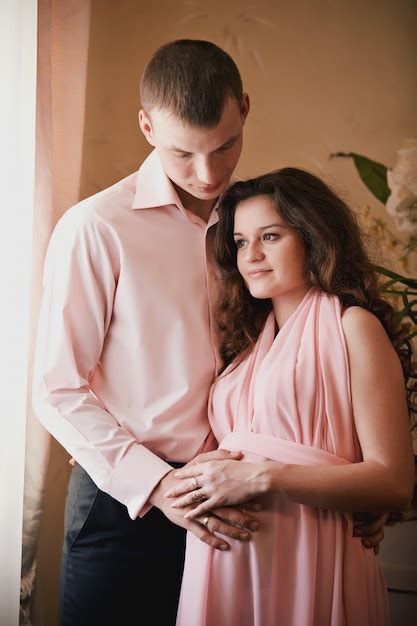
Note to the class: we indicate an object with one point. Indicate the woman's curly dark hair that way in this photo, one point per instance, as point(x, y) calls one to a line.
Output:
point(337, 262)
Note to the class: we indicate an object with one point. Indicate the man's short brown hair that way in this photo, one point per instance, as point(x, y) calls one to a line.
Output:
point(193, 79)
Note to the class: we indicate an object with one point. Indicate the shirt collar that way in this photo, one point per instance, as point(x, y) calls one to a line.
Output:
point(214, 218)
point(153, 187)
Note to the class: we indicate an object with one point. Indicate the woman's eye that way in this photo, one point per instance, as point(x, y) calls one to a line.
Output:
point(239, 243)
point(271, 236)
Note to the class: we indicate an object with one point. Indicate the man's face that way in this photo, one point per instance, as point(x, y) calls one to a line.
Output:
point(199, 161)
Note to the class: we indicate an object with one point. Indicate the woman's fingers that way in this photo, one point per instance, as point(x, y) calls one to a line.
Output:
point(189, 471)
point(215, 455)
point(197, 466)
point(190, 498)
point(202, 509)
point(185, 486)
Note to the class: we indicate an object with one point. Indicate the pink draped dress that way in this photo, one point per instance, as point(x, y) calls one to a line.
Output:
point(288, 401)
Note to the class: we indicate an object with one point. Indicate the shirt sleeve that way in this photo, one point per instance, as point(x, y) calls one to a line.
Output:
point(80, 279)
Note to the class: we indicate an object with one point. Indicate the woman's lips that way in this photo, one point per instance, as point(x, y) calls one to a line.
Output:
point(258, 272)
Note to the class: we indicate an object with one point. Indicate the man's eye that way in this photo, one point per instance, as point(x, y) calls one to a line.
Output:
point(181, 155)
point(239, 243)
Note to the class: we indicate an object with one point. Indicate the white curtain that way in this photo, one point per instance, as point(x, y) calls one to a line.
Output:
point(18, 29)
point(50, 109)
point(62, 53)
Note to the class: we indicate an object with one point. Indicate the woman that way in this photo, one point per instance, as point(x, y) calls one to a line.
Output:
point(313, 394)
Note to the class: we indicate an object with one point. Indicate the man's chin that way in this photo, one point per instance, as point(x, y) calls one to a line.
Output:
point(209, 194)
point(206, 196)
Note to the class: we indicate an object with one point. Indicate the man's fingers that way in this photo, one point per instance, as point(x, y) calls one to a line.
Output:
point(251, 506)
point(371, 532)
point(205, 535)
point(238, 517)
point(373, 541)
point(374, 527)
point(216, 525)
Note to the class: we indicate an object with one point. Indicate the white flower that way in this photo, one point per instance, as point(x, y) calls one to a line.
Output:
point(402, 181)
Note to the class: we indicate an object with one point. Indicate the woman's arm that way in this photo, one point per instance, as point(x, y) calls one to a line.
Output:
point(382, 481)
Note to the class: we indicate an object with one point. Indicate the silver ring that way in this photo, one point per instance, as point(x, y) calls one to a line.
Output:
point(196, 483)
point(206, 521)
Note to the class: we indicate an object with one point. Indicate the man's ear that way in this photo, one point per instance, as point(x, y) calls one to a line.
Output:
point(245, 106)
point(145, 125)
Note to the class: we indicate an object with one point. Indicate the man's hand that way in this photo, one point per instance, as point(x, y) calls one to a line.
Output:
point(232, 522)
point(370, 527)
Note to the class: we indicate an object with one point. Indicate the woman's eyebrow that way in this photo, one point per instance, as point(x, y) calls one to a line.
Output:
point(274, 225)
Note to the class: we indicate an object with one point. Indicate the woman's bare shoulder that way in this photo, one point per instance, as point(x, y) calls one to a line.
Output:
point(358, 319)
point(364, 332)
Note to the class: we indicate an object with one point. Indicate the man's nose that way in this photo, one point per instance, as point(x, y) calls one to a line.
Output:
point(206, 171)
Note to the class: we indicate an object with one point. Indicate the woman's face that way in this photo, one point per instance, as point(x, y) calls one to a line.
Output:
point(270, 254)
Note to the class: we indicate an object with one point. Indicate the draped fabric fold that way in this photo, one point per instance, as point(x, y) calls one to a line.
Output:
point(281, 450)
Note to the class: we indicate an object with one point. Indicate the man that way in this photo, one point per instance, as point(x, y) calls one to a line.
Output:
point(126, 345)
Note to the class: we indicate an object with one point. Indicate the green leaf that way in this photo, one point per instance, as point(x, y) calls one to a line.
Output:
point(373, 174)
point(396, 278)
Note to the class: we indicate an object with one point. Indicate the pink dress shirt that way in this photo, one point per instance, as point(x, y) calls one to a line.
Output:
point(126, 350)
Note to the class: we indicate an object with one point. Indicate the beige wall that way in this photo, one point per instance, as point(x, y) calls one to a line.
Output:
point(323, 76)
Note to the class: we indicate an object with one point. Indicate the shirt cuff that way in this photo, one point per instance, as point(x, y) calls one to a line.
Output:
point(134, 479)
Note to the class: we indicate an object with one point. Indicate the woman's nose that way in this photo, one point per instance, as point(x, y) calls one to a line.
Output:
point(254, 251)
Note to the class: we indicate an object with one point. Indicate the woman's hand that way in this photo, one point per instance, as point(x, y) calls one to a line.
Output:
point(217, 483)
point(220, 454)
